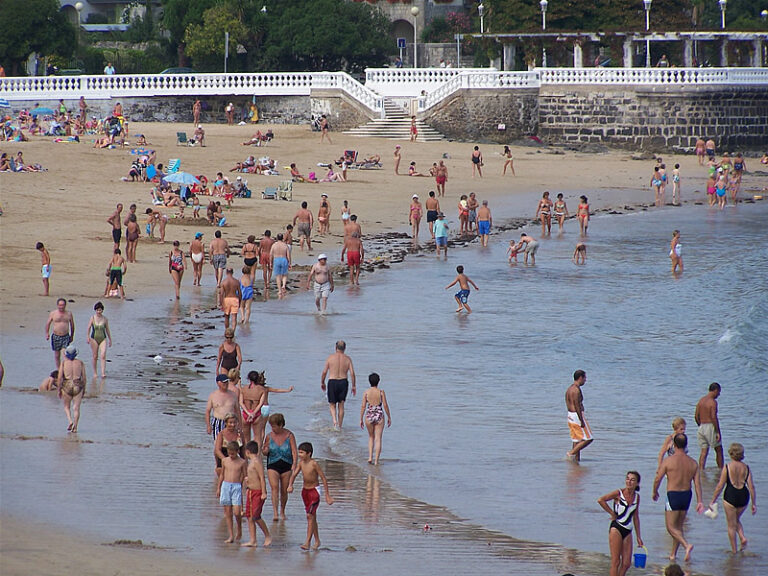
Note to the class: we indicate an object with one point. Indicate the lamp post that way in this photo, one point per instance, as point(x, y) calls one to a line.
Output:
point(723, 4)
point(543, 5)
point(481, 13)
point(647, 5)
point(415, 14)
point(78, 8)
point(263, 9)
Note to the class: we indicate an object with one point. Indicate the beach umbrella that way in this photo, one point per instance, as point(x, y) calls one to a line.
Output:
point(39, 111)
point(184, 178)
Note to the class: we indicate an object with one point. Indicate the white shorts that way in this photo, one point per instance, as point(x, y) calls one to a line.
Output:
point(322, 290)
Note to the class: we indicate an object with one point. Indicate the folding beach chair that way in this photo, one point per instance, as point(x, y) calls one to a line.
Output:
point(181, 138)
point(285, 190)
point(269, 193)
point(174, 165)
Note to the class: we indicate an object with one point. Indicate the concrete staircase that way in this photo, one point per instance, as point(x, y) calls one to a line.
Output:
point(396, 126)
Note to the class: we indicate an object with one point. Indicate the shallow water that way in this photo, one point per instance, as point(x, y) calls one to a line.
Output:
point(479, 419)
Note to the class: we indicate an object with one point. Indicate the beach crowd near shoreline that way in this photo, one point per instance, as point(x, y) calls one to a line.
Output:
point(105, 247)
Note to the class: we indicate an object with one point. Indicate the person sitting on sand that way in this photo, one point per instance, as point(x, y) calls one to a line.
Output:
point(256, 140)
point(244, 165)
point(5, 164)
point(295, 174)
point(332, 176)
point(199, 135)
point(413, 172)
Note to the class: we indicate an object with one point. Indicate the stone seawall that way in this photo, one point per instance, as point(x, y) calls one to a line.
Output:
point(644, 118)
point(476, 115)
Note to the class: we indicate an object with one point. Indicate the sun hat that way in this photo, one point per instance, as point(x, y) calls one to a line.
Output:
point(198, 235)
point(415, 196)
point(322, 257)
point(71, 352)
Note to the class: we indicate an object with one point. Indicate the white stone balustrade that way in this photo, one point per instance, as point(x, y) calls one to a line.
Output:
point(655, 76)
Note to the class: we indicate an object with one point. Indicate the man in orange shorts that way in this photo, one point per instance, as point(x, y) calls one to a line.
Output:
point(353, 247)
point(231, 296)
point(581, 433)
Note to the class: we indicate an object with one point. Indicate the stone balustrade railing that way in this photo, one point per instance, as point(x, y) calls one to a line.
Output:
point(410, 82)
point(655, 76)
point(487, 79)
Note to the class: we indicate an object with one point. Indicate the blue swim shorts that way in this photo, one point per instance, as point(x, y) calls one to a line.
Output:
point(462, 296)
point(231, 494)
point(281, 266)
point(441, 240)
point(484, 227)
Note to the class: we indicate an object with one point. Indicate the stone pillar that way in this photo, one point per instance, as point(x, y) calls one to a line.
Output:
point(757, 53)
point(724, 53)
point(628, 53)
point(510, 55)
point(496, 63)
point(578, 55)
point(688, 53)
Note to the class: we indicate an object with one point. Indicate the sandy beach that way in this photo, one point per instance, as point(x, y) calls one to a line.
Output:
point(66, 208)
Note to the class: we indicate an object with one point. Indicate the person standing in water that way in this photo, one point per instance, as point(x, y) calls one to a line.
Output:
point(581, 433)
point(372, 411)
point(624, 516)
point(675, 252)
point(337, 367)
point(99, 337)
point(708, 434)
point(71, 385)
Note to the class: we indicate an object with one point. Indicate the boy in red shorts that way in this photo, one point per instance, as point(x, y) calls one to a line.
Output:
point(310, 494)
point(255, 495)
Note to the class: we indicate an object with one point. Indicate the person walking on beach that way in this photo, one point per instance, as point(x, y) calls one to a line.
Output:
point(414, 216)
point(676, 198)
point(282, 459)
point(735, 499)
point(372, 411)
point(441, 235)
point(265, 248)
point(230, 355)
point(581, 433)
point(325, 127)
point(313, 476)
point(675, 252)
point(305, 220)
point(561, 211)
point(246, 291)
point(255, 495)
point(231, 297)
point(99, 337)
point(463, 294)
point(197, 255)
point(657, 184)
point(280, 260)
point(323, 282)
point(176, 265)
point(432, 205)
point(230, 490)
point(46, 266)
point(625, 514)
point(700, 150)
point(353, 247)
point(708, 434)
point(544, 210)
point(396, 160)
point(582, 213)
point(63, 329)
point(71, 385)
point(229, 112)
point(117, 230)
point(484, 222)
point(219, 249)
point(116, 269)
point(132, 234)
point(338, 366)
point(220, 403)
point(477, 162)
point(681, 471)
point(254, 405)
point(441, 177)
point(508, 161)
point(472, 205)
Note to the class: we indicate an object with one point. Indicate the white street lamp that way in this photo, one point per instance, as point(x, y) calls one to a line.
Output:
point(722, 4)
point(481, 12)
point(647, 5)
point(79, 8)
point(543, 5)
point(263, 9)
point(415, 13)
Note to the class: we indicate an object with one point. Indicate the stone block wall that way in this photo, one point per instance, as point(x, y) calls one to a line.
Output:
point(475, 115)
point(343, 113)
point(644, 118)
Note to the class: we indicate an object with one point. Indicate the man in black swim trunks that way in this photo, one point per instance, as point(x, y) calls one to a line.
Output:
point(337, 366)
point(117, 231)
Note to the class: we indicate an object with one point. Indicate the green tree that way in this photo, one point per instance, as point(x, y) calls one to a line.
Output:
point(33, 26)
point(205, 43)
point(180, 14)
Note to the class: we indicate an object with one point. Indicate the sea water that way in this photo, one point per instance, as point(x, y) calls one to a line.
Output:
point(478, 439)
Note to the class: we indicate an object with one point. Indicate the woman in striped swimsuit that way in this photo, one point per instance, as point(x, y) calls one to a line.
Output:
point(625, 514)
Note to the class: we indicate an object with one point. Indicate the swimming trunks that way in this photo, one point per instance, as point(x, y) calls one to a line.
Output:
point(374, 414)
point(265, 260)
point(116, 275)
point(247, 291)
point(72, 387)
point(230, 305)
point(99, 332)
point(311, 498)
point(710, 152)
point(305, 229)
point(484, 227)
point(197, 257)
point(216, 426)
point(440, 180)
point(60, 342)
point(353, 258)
point(624, 513)
point(254, 504)
point(231, 494)
point(707, 436)
point(280, 457)
point(441, 241)
point(678, 500)
point(322, 290)
point(579, 432)
point(462, 296)
point(46, 270)
point(472, 215)
point(431, 215)
point(280, 266)
point(337, 390)
point(117, 234)
point(219, 261)
point(532, 247)
point(736, 497)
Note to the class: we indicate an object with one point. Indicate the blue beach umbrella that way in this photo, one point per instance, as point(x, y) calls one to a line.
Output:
point(41, 111)
point(184, 178)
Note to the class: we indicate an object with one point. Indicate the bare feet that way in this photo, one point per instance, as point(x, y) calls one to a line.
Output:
point(570, 457)
point(688, 550)
point(229, 540)
point(282, 515)
point(458, 309)
point(316, 546)
point(743, 544)
point(69, 428)
point(275, 519)
point(267, 541)
point(304, 546)
point(249, 545)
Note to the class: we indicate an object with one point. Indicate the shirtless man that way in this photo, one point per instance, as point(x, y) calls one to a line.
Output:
point(265, 247)
point(680, 470)
point(305, 219)
point(484, 222)
point(45, 258)
point(531, 247)
point(581, 433)
point(337, 366)
point(219, 250)
point(441, 177)
point(353, 247)
point(280, 261)
point(221, 402)
point(117, 231)
point(710, 149)
point(197, 255)
point(351, 226)
point(323, 285)
point(708, 434)
point(432, 205)
point(63, 329)
point(472, 205)
point(231, 298)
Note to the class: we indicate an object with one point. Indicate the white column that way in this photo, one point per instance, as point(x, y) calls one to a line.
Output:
point(510, 53)
point(628, 53)
point(688, 52)
point(578, 56)
point(757, 52)
point(724, 53)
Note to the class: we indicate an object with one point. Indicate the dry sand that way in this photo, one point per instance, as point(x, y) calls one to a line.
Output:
point(66, 207)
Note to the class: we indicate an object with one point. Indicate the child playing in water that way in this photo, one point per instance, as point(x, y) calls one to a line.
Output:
point(580, 254)
point(230, 490)
point(514, 248)
point(255, 495)
point(711, 190)
point(310, 494)
point(462, 295)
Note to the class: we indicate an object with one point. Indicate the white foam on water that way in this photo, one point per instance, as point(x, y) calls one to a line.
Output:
point(728, 336)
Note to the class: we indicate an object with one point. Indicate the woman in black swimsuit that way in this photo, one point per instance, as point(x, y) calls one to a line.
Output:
point(735, 500)
point(230, 355)
point(477, 162)
point(250, 252)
